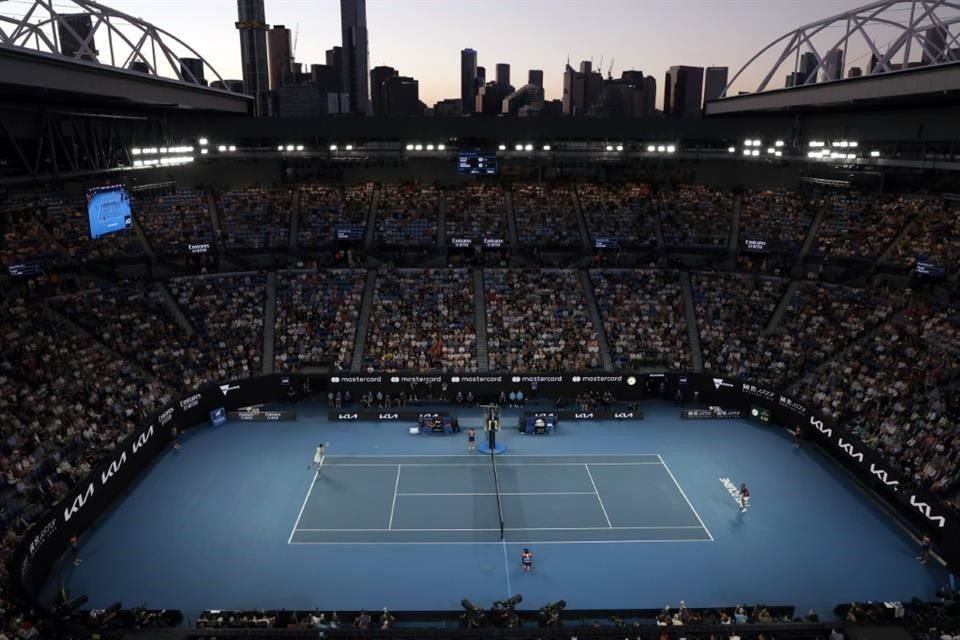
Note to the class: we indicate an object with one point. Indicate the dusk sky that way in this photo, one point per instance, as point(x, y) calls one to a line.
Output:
point(423, 38)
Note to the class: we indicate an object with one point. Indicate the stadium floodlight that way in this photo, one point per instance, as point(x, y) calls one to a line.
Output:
point(651, 148)
point(757, 142)
point(528, 147)
point(221, 148)
point(333, 147)
point(280, 148)
point(299, 147)
point(851, 156)
point(746, 152)
point(204, 151)
point(290, 147)
point(233, 148)
point(441, 147)
point(409, 147)
point(135, 151)
point(661, 148)
point(874, 154)
point(671, 148)
point(778, 154)
point(546, 147)
point(203, 142)
point(163, 149)
point(609, 147)
point(771, 150)
point(854, 144)
point(417, 147)
point(429, 147)
point(813, 154)
point(518, 147)
point(755, 152)
point(619, 147)
point(502, 147)
point(349, 147)
point(844, 144)
point(731, 149)
point(778, 143)
point(138, 163)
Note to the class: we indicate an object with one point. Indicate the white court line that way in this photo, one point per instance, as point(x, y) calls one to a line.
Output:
point(679, 488)
point(525, 455)
point(506, 569)
point(597, 493)
point(393, 506)
point(303, 506)
point(694, 526)
point(519, 544)
point(499, 464)
point(515, 493)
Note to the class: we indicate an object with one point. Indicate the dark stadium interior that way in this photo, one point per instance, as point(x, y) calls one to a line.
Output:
point(636, 317)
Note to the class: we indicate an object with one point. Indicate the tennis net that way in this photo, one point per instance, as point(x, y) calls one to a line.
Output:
point(496, 482)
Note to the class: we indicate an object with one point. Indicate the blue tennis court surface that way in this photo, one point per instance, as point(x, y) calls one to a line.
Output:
point(544, 499)
point(237, 519)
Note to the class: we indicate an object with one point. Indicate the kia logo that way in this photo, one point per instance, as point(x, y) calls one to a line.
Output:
point(924, 508)
point(846, 446)
point(583, 416)
point(347, 416)
point(882, 474)
point(822, 429)
point(622, 416)
point(142, 440)
point(78, 503)
point(389, 416)
point(113, 468)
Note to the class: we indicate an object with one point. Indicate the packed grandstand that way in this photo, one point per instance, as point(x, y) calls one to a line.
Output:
point(832, 311)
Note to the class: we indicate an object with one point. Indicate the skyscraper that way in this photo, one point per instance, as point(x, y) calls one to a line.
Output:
point(193, 66)
point(468, 79)
point(714, 83)
point(503, 73)
point(356, 68)
point(74, 29)
point(683, 91)
point(649, 96)
point(808, 62)
point(378, 94)
point(251, 22)
point(279, 56)
point(581, 89)
point(402, 96)
point(833, 65)
point(335, 60)
point(535, 77)
point(935, 39)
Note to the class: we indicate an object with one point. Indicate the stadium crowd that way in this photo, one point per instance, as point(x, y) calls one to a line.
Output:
point(422, 321)
point(255, 218)
point(476, 211)
point(696, 215)
point(174, 221)
point(316, 318)
point(546, 217)
point(326, 209)
point(622, 212)
point(644, 318)
point(537, 320)
point(780, 218)
point(407, 215)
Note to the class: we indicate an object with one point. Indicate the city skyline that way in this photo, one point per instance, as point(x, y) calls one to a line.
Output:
point(424, 38)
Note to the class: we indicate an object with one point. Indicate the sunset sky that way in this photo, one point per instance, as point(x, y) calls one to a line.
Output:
point(423, 38)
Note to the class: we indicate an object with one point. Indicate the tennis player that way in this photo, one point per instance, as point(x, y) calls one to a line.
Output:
point(526, 560)
point(318, 456)
point(471, 439)
point(744, 496)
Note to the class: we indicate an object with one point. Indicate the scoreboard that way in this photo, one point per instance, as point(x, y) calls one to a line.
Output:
point(477, 163)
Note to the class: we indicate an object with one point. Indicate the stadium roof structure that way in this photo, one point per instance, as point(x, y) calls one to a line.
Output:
point(887, 34)
point(139, 62)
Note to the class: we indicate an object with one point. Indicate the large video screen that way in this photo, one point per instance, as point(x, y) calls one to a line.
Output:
point(477, 163)
point(108, 210)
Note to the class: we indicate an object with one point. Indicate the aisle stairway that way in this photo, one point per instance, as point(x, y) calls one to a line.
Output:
point(480, 318)
point(360, 341)
point(584, 277)
point(693, 334)
point(269, 319)
point(782, 306)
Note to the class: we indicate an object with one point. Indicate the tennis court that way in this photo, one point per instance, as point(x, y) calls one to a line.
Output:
point(460, 499)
